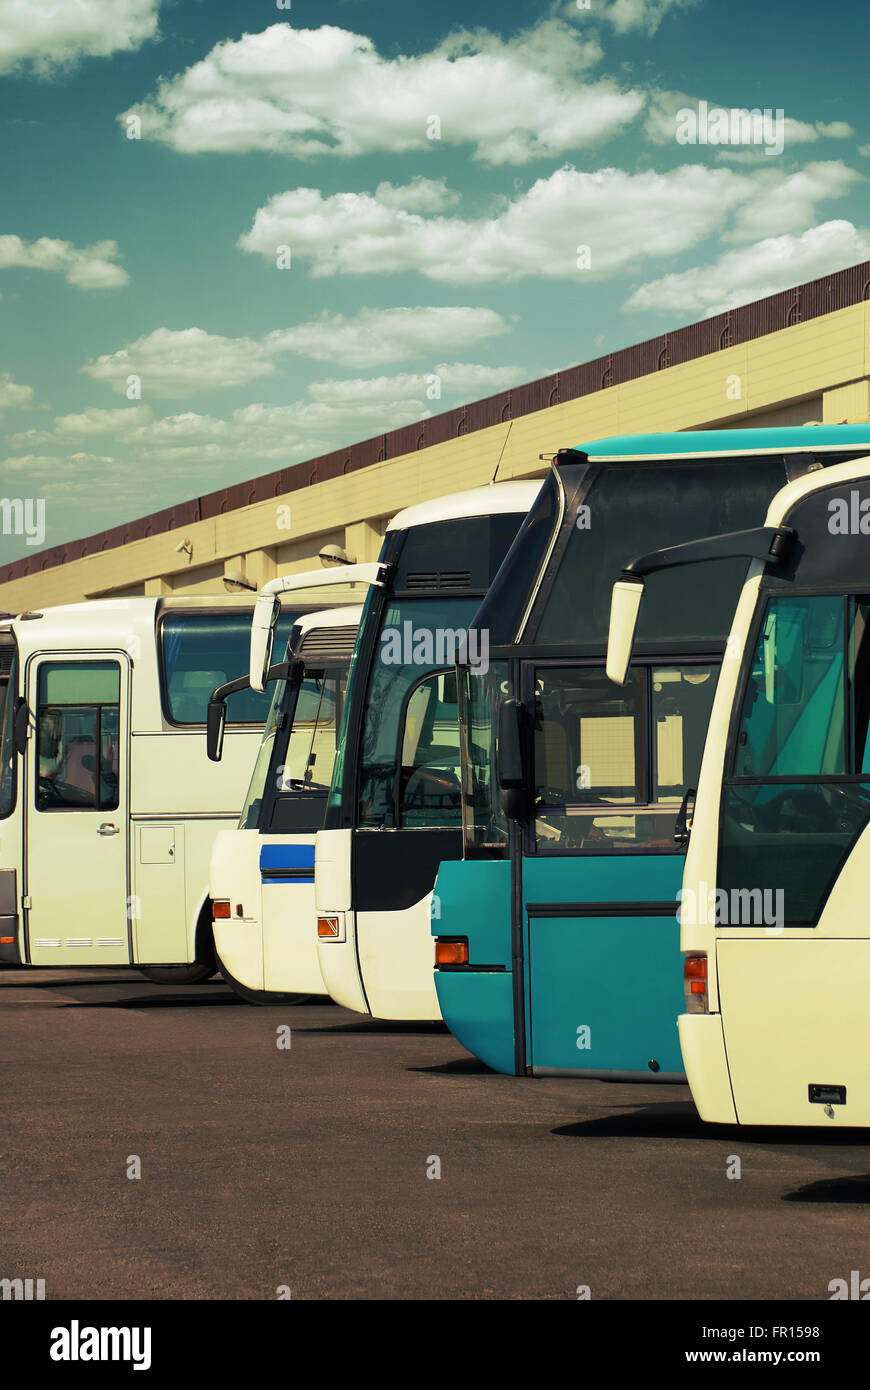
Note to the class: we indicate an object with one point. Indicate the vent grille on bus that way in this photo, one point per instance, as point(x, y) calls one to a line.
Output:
point(7, 655)
point(438, 579)
point(328, 641)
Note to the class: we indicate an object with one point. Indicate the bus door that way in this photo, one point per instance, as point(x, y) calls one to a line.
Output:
point(395, 869)
point(76, 826)
point(601, 870)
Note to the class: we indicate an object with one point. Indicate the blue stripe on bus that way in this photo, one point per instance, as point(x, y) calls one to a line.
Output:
point(287, 863)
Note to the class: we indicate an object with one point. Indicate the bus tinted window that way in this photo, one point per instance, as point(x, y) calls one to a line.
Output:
point(635, 508)
point(791, 810)
point(77, 735)
point(596, 789)
point(200, 651)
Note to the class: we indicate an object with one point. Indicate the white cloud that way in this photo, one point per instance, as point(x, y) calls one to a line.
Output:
point(788, 203)
point(326, 91)
point(420, 195)
point(771, 265)
point(88, 267)
point(375, 336)
point(660, 121)
point(93, 422)
point(51, 33)
point(14, 395)
point(451, 378)
point(178, 362)
point(622, 217)
point(645, 15)
point(174, 363)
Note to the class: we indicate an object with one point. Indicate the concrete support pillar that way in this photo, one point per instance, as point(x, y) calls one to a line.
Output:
point(845, 403)
point(363, 539)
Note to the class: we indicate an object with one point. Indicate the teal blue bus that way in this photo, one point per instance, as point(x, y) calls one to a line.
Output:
point(557, 940)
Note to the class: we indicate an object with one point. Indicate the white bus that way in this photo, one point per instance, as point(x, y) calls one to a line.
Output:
point(774, 927)
point(395, 808)
point(262, 870)
point(108, 808)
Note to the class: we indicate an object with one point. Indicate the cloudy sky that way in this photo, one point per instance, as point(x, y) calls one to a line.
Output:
point(234, 236)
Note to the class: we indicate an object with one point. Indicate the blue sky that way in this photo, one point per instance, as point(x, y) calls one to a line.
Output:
point(155, 341)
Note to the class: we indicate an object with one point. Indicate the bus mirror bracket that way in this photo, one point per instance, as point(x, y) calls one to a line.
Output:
point(20, 725)
point(268, 605)
point(772, 544)
point(512, 760)
point(216, 715)
point(683, 823)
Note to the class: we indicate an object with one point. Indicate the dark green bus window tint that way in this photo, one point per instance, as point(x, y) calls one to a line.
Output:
point(792, 722)
point(636, 508)
point(789, 839)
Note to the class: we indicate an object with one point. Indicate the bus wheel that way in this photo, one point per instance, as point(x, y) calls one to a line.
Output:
point(179, 974)
point(259, 996)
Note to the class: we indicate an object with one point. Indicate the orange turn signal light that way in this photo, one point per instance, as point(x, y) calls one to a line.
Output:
point(451, 952)
point(328, 927)
point(220, 908)
point(6, 940)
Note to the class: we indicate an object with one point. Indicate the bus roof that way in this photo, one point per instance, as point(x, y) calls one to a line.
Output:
point(330, 617)
point(710, 443)
point(477, 501)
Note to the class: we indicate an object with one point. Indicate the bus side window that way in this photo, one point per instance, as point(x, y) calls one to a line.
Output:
point(429, 787)
point(77, 736)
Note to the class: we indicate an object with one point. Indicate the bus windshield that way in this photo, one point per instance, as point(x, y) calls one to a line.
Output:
point(295, 763)
point(410, 745)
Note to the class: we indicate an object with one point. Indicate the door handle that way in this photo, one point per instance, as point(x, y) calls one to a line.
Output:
point(107, 829)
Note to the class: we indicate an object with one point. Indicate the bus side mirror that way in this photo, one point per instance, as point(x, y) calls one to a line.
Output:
point(624, 609)
point(19, 726)
point(215, 721)
point(512, 761)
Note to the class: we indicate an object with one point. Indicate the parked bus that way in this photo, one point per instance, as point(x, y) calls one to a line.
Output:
point(393, 812)
point(556, 941)
point(774, 926)
point(262, 870)
point(107, 807)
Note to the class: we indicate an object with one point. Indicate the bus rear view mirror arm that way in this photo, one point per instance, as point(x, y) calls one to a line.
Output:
point(513, 760)
point(216, 715)
point(20, 725)
point(773, 544)
point(268, 606)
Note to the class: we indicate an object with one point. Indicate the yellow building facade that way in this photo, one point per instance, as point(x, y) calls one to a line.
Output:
point(813, 368)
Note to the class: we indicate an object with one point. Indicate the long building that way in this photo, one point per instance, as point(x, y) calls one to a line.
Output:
point(796, 357)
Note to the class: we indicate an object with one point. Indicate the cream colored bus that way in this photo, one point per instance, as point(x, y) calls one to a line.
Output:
point(108, 806)
point(775, 931)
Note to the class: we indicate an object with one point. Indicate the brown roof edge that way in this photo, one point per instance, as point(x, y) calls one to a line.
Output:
point(797, 305)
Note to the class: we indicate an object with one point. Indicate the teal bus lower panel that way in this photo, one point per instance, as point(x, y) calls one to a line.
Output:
point(604, 968)
point(477, 1007)
point(472, 900)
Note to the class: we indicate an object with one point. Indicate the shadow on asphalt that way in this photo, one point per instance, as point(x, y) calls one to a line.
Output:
point(680, 1120)
point(462, 1066)
point(383, 1025)
point(851, 1189)
point(670, 1120)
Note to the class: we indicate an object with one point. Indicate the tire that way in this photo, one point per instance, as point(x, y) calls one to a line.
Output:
point(259, 996)
point(194, 974)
